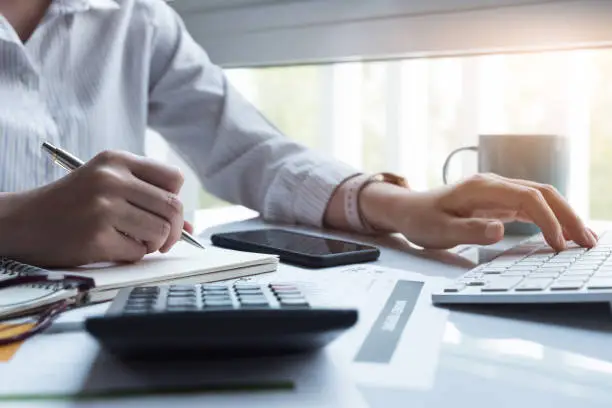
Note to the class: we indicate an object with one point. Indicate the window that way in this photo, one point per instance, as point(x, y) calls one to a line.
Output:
point(407, 115)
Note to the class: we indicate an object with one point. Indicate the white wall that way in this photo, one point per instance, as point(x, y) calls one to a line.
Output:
point(272, 32)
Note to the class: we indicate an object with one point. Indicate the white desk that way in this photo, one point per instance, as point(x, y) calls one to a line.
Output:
point(483, 360)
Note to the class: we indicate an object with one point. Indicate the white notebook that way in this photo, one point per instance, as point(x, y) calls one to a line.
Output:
point(183, 264)
point(183, 261)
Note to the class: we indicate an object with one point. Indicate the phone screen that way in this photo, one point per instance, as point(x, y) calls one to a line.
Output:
point(296, 242)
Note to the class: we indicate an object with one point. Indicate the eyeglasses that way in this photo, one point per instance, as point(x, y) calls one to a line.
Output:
point(46, 315)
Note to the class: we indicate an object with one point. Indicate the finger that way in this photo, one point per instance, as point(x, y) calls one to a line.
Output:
point(126, 249)
point(499, 193)
point(188, 227)
point(154, 199)
point(569, 220)
point(594, 235)
point(142, 226)
point(566, 235)
point(160, 202)
point(168, 178)
point(478, 231)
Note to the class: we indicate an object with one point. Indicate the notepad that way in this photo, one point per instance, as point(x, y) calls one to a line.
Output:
point(183, 264)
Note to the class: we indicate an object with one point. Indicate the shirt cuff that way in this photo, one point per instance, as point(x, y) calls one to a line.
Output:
point(300, 194)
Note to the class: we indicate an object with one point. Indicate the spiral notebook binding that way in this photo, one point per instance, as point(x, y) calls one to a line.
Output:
point(14, 268)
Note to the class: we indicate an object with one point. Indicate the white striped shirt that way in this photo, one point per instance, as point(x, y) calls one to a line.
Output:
point(96, 73)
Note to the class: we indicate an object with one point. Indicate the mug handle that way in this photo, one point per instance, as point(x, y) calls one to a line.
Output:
point(450, 156)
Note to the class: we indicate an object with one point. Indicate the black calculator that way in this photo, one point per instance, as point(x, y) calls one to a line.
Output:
point(216, 320)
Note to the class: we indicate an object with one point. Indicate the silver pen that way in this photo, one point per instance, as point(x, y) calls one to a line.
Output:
point(69, 162)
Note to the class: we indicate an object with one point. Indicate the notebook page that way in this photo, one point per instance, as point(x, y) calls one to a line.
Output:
point(182, 261)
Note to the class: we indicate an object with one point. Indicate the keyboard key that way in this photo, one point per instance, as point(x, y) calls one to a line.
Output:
point(522, 268)
point(529, 263)
point(577, 274)
point(501, 284)
point(563, 260)
point(600, 283)
point(454, 288)
point(544, 274)
point(533, 285)
point(567, 285)
point(476, 282)
point(515, 273)
point(493, 271)
point(581, 268)
point(555, 266)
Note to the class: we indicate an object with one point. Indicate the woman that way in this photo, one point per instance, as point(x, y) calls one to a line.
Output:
point(92, 75)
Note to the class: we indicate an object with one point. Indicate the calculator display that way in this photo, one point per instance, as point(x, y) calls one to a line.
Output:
point(297, 242)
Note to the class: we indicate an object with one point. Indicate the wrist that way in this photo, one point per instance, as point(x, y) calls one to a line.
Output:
point(380, 205)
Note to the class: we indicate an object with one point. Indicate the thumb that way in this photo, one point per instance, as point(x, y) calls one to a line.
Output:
point(478, 231)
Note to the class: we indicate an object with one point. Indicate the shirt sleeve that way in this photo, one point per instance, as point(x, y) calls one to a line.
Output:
point(238, 154)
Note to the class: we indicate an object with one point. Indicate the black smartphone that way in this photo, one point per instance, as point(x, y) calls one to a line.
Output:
point(297, 248)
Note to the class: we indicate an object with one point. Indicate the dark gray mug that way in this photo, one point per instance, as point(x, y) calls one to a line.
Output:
point(540, 158)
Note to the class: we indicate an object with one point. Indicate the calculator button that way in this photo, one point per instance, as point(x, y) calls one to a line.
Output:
point(249, 292)
point(139, 304)
point(247, 286)
point(145, 289)
point(187, 288)
point(281, 286)
point(180, 302)
point(293, 302)
point(254, 302)
point(218, 303)
point(212, 286)
point(291, 296)
point(287, 291)
point(181, 295)
point(182, 308)
point(216, 295)
point(243, 299)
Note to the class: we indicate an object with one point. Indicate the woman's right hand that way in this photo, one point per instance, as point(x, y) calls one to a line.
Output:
point(116, 208)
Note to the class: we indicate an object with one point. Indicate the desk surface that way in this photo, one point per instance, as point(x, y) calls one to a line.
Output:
point(488, 359)
point(502, 360)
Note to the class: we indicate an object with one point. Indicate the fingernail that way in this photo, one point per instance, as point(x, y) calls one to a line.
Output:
point(492, 230)
point(588, 238)
point(561, 243)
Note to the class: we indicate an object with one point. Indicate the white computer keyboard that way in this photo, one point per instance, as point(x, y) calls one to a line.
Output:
point(532, 272)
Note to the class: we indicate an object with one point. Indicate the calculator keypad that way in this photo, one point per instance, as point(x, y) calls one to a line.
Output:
point(209, 297)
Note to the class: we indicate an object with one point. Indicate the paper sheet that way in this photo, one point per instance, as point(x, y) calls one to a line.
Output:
point(72, 365)
point(399, 334)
